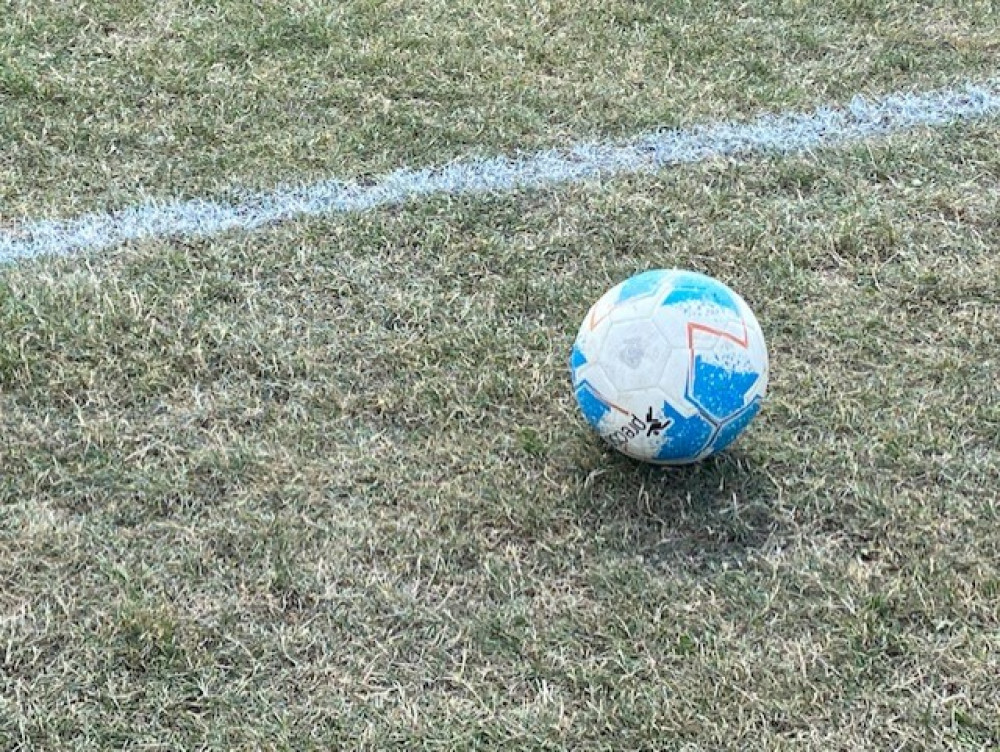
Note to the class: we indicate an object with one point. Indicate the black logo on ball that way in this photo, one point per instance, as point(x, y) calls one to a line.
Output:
point(654, 426)
point(651, 425)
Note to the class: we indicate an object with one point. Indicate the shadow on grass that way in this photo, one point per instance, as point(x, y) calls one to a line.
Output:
point(708, 514)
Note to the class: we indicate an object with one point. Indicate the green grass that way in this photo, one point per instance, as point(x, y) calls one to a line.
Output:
point(167, 98)
point(324, 486)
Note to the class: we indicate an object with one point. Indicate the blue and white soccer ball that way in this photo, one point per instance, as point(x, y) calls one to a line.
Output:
point(669, 366)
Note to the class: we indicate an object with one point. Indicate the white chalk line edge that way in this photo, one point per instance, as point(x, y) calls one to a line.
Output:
point(826, 126)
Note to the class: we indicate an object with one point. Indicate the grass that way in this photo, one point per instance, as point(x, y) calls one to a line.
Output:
point(324, 486)
point(167, 98)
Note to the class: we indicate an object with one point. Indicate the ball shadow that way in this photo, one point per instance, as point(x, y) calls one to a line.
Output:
point(709, 514)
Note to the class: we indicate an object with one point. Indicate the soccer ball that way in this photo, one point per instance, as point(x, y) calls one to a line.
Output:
point(669, 366)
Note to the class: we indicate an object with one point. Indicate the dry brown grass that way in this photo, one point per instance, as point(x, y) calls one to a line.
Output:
point(324, 486)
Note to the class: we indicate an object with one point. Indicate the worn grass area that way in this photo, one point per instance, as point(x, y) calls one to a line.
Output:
point(325, 486)
point(106, 99)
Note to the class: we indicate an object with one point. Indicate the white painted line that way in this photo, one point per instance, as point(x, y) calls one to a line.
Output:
point(786, 132)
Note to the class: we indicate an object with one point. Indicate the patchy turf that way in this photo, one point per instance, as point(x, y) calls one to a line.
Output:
point(325, 486)
point(104, 100)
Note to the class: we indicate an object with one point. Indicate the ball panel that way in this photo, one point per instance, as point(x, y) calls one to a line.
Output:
point(647, 283)
point(587, 347)
point(637, 430)
point(634, 354)
point(720, 389)
point(685, 439)
point(592, 405)
point(600, 311)
point(599, 398)
point(734, 427)
point(674, 382)
point(699, 289)
point(758, 350)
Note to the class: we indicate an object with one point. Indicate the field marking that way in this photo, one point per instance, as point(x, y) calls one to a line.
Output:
point(651, 152)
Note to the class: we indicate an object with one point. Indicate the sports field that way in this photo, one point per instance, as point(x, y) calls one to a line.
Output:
point(320, 483)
